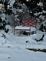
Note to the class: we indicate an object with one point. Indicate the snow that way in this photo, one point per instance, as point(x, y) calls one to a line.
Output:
point(8, 27)
point(11, 2)
point(19, 10)
point(15, 48)
point(33, 29)
point(44, 38)
point(37, 13)
point(37, 36)
point(44, 11)
point(42, 17)
point(22, 27)
point(40, 4)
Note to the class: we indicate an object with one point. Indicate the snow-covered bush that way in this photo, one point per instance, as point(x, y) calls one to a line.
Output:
point(38, 36)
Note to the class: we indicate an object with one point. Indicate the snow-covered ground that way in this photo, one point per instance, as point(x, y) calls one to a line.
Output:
point(13, 48)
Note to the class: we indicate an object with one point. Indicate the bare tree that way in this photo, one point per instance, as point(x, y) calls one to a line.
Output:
point(13, 22)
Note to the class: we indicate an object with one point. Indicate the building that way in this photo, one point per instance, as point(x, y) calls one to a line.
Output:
point(29, 22)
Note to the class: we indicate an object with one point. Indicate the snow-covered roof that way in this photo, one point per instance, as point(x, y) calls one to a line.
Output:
point(22, 27)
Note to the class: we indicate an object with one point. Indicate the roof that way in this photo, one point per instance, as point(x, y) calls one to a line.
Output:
point(22, 28)
point(29, 22)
